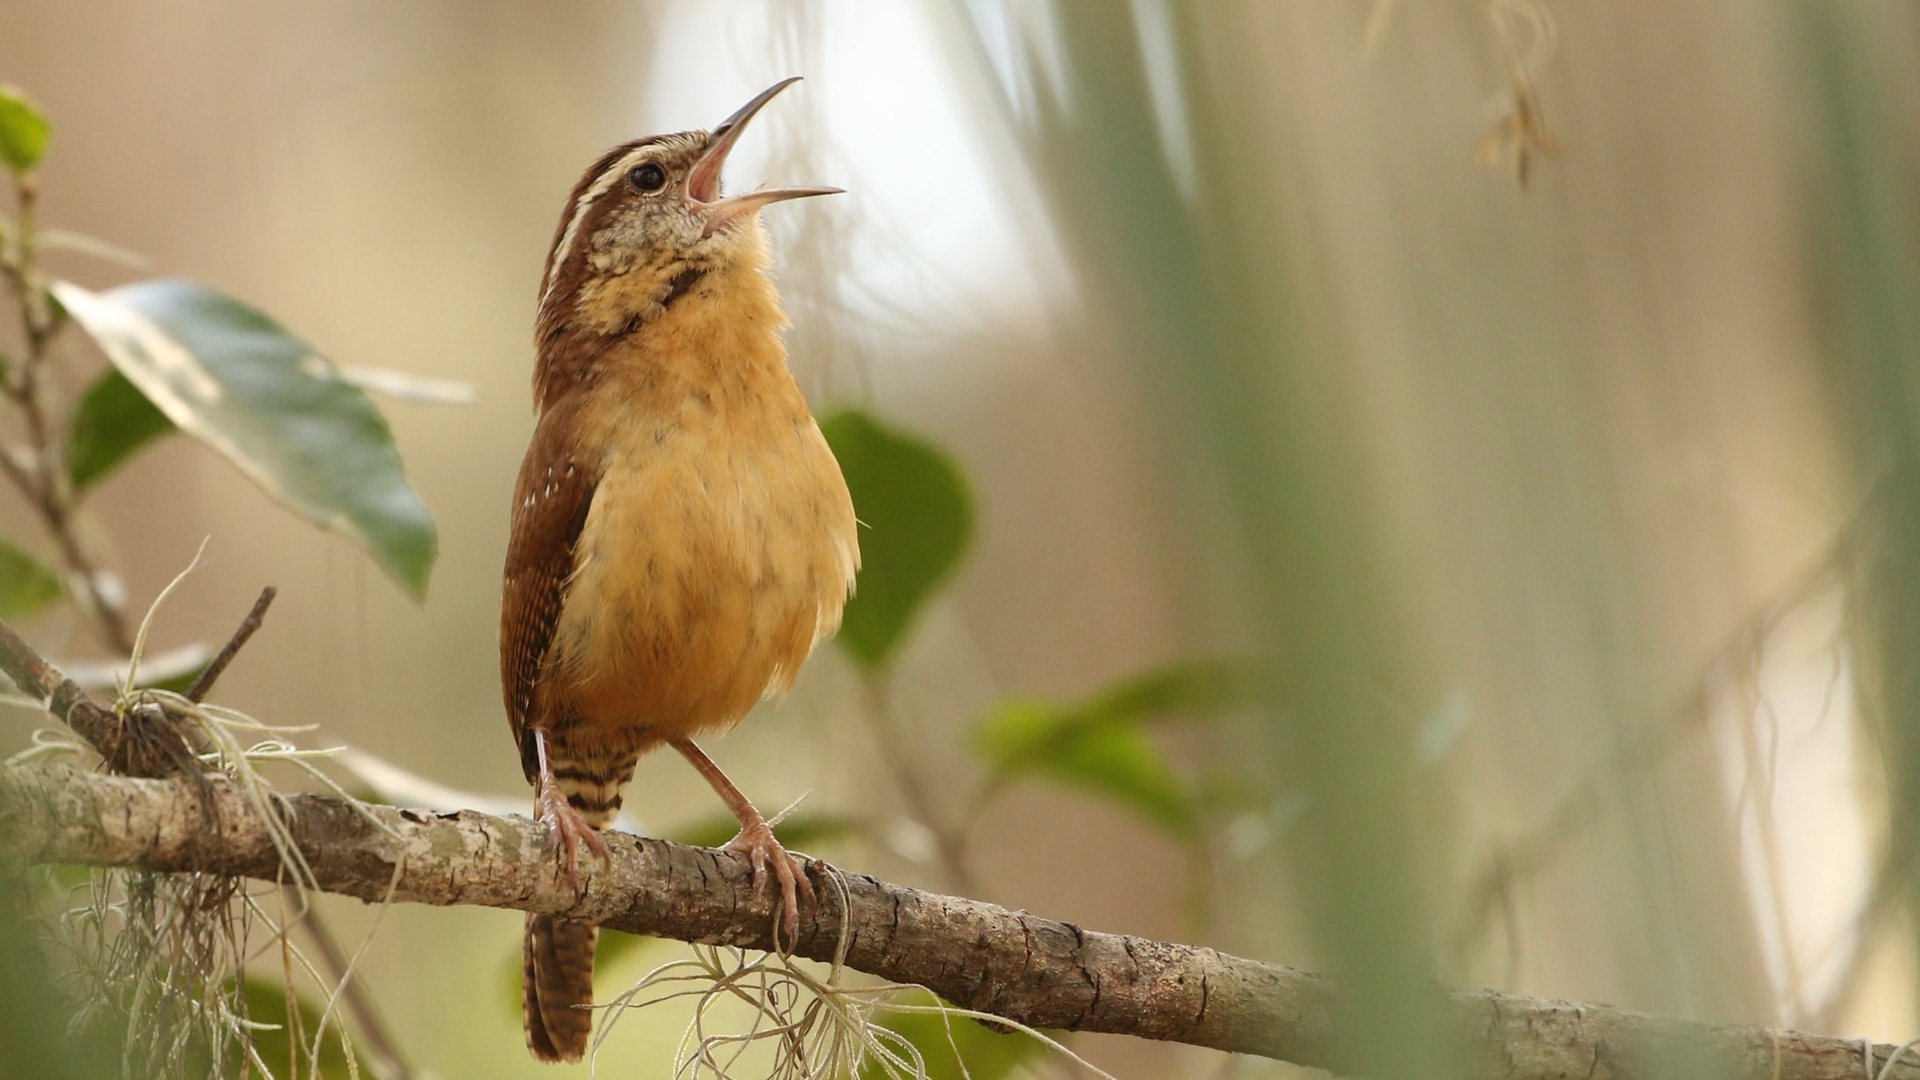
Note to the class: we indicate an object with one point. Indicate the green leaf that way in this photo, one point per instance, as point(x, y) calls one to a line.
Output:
point(231, 377)
point(1199, 689)
point(23, 130)
point(267, 1004)
point(113, 421)
point(26, 587)
point(1103, 754)
point(1101, 745)
point(916, 516)
point(989, 1055)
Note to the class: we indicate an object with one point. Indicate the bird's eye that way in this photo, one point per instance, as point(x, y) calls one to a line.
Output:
point(648, 178)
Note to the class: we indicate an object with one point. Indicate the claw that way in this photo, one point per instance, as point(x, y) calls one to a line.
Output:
point(570, 830)
point(756, 841)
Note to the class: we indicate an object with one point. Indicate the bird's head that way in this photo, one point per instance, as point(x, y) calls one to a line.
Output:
point(647, 221)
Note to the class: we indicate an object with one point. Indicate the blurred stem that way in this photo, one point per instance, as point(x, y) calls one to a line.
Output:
point(42, 480)
point(1520, 860)
point(1189, 265)
point(1857, 101)
point(387, 1064)
point(949, 837)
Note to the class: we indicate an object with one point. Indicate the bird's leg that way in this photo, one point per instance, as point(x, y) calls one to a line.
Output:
point(570, 829)
point(755, 840)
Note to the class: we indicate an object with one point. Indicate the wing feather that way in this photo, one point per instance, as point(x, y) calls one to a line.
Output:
point(550, 504)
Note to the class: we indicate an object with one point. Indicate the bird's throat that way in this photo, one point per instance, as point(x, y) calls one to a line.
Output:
point(706, 318)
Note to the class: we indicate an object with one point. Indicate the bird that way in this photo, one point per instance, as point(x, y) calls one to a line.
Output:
point(681, 536)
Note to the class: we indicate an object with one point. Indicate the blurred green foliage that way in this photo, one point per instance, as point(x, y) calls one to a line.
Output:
point(35, 1043)
point(1183, 249)
point(26, 587)
point(1863, 125)
point(1100, 744)
point(23, 130)
point(917, 519)
point(112, 422)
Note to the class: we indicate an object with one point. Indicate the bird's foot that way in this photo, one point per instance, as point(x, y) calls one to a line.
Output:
point(756, 842)
point(570, 831)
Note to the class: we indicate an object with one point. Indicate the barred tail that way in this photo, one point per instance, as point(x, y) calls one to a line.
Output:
point(558, 989)
point(557, 994)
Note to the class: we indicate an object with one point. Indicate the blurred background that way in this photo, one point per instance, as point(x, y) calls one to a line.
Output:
point(1522, 395)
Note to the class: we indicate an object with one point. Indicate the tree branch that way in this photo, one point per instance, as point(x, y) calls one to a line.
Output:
point(1036, 971)
point(147, 742)
point(203, 683)
point(63, 697)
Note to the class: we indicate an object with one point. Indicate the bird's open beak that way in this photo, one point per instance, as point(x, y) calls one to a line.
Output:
point(703, 180)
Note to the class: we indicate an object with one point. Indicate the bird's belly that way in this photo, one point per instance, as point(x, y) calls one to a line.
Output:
point(707, 569)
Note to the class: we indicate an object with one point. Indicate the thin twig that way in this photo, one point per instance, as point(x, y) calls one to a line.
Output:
point(46, 487)
point(17, 473)
point(218, 665)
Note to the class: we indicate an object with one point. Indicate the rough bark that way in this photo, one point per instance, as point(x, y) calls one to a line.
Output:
point(63, 697)
point(147, 742)
point(1036, 971)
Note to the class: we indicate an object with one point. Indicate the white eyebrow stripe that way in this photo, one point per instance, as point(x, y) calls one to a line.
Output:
point(600, 186)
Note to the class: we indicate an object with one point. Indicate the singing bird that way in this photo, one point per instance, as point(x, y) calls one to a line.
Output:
point(681, 535)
